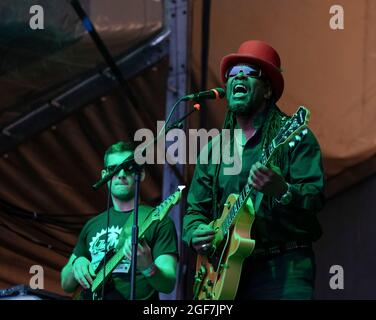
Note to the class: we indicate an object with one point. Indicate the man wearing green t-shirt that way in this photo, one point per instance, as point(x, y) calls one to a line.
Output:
point(157, 251)
point(282, 264)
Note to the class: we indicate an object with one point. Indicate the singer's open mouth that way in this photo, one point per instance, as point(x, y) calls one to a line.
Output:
point(239, 90)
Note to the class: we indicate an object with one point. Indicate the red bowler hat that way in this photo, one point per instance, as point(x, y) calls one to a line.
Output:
point(261, 54)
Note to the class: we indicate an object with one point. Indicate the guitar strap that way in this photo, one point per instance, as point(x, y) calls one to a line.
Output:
point(143, 214)
point(257, 196)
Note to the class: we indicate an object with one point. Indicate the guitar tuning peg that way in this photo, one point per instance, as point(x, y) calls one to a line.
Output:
point(298, 138)
point(291, 144)
point(304, 132)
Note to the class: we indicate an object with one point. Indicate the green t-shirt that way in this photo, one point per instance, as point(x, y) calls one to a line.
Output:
point(274, 223)
point(160, 236)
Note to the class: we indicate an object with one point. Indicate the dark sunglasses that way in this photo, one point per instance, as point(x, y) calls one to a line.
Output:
point(249, 71)
point(110, 168)
point(113, 167)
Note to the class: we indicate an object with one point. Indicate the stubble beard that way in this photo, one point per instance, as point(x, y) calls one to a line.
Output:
point(248, 109)
point(124, 196)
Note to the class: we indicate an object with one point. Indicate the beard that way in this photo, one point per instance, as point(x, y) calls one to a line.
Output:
point(123, 195)
point(241, 109)
point(247, 107)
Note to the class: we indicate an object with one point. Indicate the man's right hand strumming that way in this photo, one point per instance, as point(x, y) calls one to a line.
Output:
point(202, 238)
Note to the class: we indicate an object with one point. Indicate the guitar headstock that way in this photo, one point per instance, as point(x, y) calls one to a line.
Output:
point(292, 128)
point(162, 210)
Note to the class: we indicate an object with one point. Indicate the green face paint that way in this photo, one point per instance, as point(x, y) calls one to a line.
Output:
point(245, 95)
point(123, 183)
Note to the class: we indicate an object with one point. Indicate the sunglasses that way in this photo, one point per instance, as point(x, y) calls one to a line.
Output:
point(110, 168)
point(249, 71)
point(113, 167)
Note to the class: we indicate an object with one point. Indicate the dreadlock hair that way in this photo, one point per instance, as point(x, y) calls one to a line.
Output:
point(273, 122)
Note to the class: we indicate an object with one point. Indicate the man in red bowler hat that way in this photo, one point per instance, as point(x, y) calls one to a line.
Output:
point(289, 189)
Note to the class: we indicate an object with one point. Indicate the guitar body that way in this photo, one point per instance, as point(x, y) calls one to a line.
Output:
point(85, 294)
point(218, 274)
point(88, 294)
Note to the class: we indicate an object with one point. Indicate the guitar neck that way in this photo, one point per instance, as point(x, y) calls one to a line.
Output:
point(247, 191)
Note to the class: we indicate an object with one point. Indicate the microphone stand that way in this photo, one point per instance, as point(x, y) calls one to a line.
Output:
point(130, 164)
point(137, 172)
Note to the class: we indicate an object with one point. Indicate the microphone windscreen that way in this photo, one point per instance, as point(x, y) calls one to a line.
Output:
point(221, 92)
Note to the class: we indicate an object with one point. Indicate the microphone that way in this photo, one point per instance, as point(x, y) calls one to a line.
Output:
point(216, 93)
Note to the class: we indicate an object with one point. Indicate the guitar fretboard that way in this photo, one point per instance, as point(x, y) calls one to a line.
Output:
point(247, 191)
